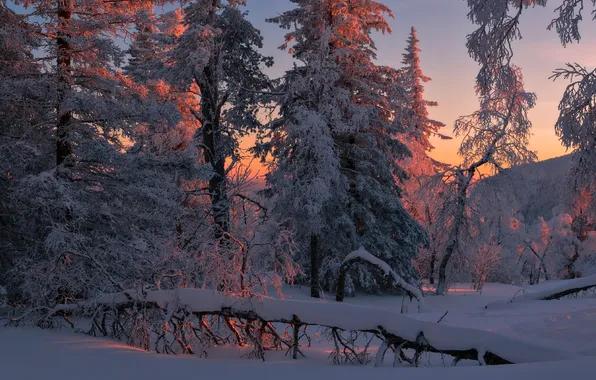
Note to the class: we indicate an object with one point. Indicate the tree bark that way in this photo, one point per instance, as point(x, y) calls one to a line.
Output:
point(64, 69)
point(463, 184)
point(315, 287)
point(213, 150)
point(433, 254)
point(442, 285)
point(570, 272)
point(433, 259)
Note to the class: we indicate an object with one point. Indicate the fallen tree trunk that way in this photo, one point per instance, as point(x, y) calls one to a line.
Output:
point(362, 256)
point(563, 288)
point(558, 289)
point(551, 291)
point(256, 315)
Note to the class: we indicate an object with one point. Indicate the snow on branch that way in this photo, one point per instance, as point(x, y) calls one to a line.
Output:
point(259, 315)
point(361, 255)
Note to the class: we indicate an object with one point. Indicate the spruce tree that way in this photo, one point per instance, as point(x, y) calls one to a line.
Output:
point(217, 59)
point(413, 79)
point(25, 138)
point(420, 167)
point(98, 214)
point(344, 98)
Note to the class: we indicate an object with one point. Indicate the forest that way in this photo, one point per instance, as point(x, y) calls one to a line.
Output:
point(160, 188)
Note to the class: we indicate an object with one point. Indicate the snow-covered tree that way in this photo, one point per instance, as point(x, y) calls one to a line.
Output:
point(491, 46)
point(413, 79)
point(421, 186)
point(154, 38)
point(576, 128)
point(338, 117)
point(217, 58)
point(224, 233)
point(79, 51)
point(98, 209)
point(144, 50)
point(495, 137)
point(305, 174)
point(25, 140)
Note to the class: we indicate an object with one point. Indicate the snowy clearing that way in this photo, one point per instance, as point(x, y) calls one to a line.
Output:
point(67, 356)
point(565, 324)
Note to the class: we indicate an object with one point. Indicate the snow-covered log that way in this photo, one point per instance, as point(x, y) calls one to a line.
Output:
point(553, 290)
point(395, 330)
point(361, 255)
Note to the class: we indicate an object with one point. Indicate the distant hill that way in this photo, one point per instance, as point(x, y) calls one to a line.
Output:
point(535, 189)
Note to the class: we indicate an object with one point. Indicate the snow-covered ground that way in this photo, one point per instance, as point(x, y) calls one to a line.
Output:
point(570, 324)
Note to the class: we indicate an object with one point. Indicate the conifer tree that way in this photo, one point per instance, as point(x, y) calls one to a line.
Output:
point(340, 99)
point(143, 50)
point(102, 216)
point(421, 169)
point(413, 79)
point(25, 141)
point(154, 39)
point(217, 59)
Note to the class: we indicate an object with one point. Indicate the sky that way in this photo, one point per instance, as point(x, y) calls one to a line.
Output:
point(442, 28)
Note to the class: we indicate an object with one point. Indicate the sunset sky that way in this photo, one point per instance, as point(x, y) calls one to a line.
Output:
point(442, 28)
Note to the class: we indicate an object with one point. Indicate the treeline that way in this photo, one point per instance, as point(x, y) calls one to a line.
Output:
point(122, 168)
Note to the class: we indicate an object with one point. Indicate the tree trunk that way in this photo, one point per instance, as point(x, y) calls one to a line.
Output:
point(64, 68)
point(315, 288)
point(433, 260)
point(463, 183)
point(569, 270)
point(433, 254)
point(213, 150)
point(441, 286)
point(543, 266)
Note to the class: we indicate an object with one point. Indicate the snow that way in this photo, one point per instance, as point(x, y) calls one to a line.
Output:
point(545, 290)
point(567, 324)
point(57, 355)
point(442, 337)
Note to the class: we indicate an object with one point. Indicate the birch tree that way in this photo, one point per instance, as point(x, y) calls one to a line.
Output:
point(491, 46)
point(495, 137)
